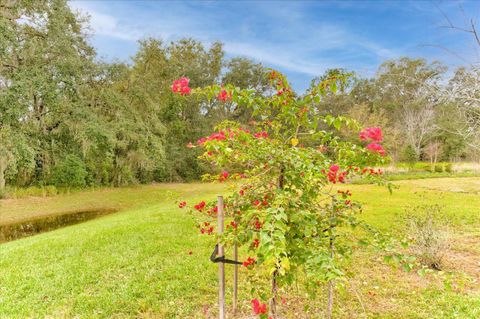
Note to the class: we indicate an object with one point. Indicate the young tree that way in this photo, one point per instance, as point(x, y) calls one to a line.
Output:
point(463, 91)
point(433, 151)
point(418, 125)
point(285, 210)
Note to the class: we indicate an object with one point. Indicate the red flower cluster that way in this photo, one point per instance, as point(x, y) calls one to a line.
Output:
point(256, 242)
point(220, 136)
point(200, 206)
point(372, 171)
point(371, 133)
point(258, 224)
point(182, 204)
point(233, 224)
point(374, 147)
point(224, 96)
point(261, 135)
point(259, 308)
point(207, 229)
point(333, 175)
point(181, 86)
point(223, 176)
point(213, 211)
point(283, 90)
point(248, 262)
point(345, 193)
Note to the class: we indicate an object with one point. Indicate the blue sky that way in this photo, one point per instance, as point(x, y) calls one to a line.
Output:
point(299, 38)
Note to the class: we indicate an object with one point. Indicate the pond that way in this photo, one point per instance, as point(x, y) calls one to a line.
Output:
point(25, 228)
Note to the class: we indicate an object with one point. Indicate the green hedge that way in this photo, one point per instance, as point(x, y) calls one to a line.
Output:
point(438, 167)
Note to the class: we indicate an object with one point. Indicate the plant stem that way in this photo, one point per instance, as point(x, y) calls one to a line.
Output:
point(331, 283)
point(273, 301)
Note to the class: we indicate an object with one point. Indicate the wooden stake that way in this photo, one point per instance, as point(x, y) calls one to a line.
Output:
point(221, 268)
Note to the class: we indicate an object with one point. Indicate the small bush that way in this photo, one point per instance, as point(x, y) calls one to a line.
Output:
point(429, 235)
point(439, 168)
point(426, 167)
point(71, 172)
point(409, 156)
point(449, 168)
point(50, 190)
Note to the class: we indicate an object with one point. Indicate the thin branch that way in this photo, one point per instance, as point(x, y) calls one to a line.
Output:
point(474, 31)
point(447, 50)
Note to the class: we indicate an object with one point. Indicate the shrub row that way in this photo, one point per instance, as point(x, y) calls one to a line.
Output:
point(438, 167)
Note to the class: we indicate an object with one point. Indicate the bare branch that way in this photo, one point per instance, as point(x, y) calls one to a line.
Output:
point(474, 31)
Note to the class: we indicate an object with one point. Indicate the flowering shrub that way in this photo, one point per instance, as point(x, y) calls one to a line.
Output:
point(286, 209)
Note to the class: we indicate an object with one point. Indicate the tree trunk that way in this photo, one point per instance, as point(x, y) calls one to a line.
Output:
point(3, 167)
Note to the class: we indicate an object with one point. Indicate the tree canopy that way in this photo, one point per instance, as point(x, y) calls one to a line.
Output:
point(60, 103)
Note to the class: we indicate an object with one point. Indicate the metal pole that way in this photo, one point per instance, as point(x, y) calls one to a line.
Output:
point(221, 269)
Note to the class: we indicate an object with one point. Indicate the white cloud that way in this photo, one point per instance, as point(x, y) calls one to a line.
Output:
point(276, 57)
point(104, 24)
point(289, 41)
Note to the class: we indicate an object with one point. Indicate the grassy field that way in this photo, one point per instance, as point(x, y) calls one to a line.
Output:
point(137, 263)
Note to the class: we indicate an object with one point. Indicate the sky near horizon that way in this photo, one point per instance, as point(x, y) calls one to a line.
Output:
point(300, 38)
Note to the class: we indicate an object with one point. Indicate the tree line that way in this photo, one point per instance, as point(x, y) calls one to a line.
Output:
point(67, 118)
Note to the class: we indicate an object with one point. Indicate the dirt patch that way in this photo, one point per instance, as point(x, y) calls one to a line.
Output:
point(464, 258)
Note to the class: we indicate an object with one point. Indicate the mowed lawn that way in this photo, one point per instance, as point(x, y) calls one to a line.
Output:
point(149, 261)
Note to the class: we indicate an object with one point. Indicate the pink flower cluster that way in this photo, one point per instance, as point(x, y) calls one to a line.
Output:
point(220, 136)
point(259, 308)
point(373, 134)
point(261, 135)
point(180, 86)
point(375, 147)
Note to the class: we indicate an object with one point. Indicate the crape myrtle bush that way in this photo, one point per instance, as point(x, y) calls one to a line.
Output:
point(285, 208)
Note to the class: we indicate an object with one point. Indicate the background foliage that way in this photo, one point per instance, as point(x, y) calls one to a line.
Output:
point(58, 101)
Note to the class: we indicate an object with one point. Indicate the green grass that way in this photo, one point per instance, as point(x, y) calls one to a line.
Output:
point(136, 263)
point(418, 175)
